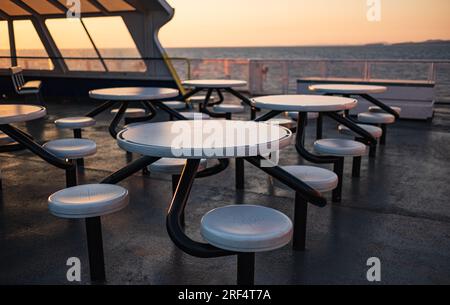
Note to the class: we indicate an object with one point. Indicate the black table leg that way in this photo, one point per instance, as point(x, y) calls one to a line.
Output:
point(240, 172)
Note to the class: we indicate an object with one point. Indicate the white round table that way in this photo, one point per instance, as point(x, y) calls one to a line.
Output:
point(10, 114)
point(212, 139)
point(133, 94)
point(364, 91)
point(304, 103)
point(218, 85)
point(145, 95)
point(215, 83)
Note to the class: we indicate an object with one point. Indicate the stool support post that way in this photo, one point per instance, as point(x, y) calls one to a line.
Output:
point(339, 171)
point(319, 127)
point(71, 176)
point(240, 172)
point(95, 249)
point(175, 181)
point(77, 134)
point(246, 269)
point(356, 169)
point(383, 136)
point(300, 222)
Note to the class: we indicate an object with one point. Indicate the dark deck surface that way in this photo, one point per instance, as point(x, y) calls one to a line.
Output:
point(398, 211)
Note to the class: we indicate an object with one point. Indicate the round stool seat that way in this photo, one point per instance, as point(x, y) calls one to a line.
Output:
point(311, 115)
point(375, 131)
point(172, 166)
point(377, 109)
point(288, 123)
point(195, 115)
point(175, 105)
point(200, 99)
point(246, 228)
point(131, 112)
point(86, 201)
point(376, 118)
point(71, 148)
point(75, 122)
point(5, 139)
point(228, 108)
point(340, 148)
point(320, 179)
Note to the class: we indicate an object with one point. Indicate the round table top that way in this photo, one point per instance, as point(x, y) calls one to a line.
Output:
point(305, 103)
point(215, 83)
point(207, 139)
point(20, 113)
point(347, 89)
point(133, 94)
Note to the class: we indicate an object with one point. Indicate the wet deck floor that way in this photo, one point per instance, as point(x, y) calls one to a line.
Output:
point(398, 211)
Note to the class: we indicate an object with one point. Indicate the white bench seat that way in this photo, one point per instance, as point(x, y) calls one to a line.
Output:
point(375, 131)
point(376, 118)
point(71, 149)
point(246, 228)
point(75, 122)
point(228, 108)
point(131, 112)
point(340, 148)
point(86, 201)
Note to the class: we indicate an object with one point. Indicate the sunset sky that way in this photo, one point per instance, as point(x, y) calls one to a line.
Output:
point(199, 23)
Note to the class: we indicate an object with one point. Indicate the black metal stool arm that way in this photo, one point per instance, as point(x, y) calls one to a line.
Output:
point(221, 97)
point(214, 170)
point(380, 104)
point(34, 147)
point(130, 170)
point(117, 118)
point(240, 96)
point(305, 191)
point(206, 104)
point(300, 138)
point(353, 126)
point(11, 148)
point(191, 94)
point(268, 116)
point(170, 111)
point(103, 107)
point(173, 221)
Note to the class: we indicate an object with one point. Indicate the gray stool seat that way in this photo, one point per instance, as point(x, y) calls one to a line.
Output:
point(320, 179)
point(228, 108)
point(172, 166)
point(288, 123)
point(131, 112)
point(71, 148)
point(246, 228)
point(177, 105)
point(87, 201)
point(375, 131)
point(340, 148)
point(377, 109)
point(376, 118)
point(200, 99)
point(311, 115)
point(5, 139)
point(75, 122)
point(195, 115)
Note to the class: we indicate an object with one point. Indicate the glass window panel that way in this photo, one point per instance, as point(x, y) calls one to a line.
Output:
point(86, 6)
point(42, 6)
point(73, 41)
point(4, 45)
point(28, 43)
point(116, 5)
point(12, 9)
point(119, 45)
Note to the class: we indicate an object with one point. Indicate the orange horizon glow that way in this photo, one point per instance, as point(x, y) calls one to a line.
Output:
point(240, 23)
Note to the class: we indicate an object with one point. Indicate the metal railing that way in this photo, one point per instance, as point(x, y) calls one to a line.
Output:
point(263, 76)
